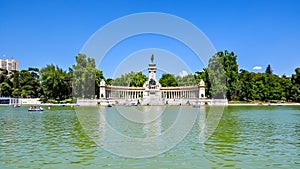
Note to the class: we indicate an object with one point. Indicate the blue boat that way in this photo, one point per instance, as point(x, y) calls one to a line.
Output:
point(36, 110)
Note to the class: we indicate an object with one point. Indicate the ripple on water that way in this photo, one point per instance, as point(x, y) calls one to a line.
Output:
point(247, 137)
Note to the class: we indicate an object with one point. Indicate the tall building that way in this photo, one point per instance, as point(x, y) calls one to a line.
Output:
point(9, 64)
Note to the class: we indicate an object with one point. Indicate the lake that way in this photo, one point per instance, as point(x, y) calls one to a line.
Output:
point(246, 137)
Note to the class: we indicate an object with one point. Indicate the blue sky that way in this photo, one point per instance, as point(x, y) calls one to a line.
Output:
point(40, 32)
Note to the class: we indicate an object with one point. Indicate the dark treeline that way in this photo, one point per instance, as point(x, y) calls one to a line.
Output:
point(222, 77)
point(53, 84)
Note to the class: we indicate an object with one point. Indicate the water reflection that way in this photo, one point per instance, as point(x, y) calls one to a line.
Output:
point(153, 128)
point(201, 123)
point(208, 119)
point(116, 134)
point(137, 114)
point(222, 144)
point(247, 137)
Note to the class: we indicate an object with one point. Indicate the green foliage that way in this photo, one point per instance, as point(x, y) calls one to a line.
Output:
point(29, 83)
point(263, 87)
point(109, 81)
point(217, 78)
point(296, 77)
point(132, 79)
point(138, 80)
point(56, 83)
point(15, 79)
point(286, 84)
point(188, 80)
point(168, 80)
point(244, 86)
point(84, 77)
point(221, 78)
point(5, 89)
point(267, 87)
point(5, 84)
point(230, 66)
point(295, 91)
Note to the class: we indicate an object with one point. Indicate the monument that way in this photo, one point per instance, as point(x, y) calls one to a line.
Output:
point(152, 93)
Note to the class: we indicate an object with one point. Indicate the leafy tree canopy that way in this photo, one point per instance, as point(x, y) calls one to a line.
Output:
point(168, 80)
point(132, 79)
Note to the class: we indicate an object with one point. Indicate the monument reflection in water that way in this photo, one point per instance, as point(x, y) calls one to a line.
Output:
point(142, 131)
point(247, 136)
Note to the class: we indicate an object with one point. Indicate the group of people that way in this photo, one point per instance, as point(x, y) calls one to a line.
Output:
point(35, 108)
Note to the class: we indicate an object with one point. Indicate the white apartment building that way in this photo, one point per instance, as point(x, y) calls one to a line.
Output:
point(9, 64)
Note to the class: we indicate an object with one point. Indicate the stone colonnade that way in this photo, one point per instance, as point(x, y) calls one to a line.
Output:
point(169, 94)
point(119, 92)
point(124, 92)
point(189, 92)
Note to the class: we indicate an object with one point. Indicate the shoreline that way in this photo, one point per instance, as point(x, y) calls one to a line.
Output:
point(264, 104)
point(46, 104)
point(229, 104)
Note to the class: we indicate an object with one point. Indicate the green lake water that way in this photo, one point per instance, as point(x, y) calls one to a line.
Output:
point(246, 137)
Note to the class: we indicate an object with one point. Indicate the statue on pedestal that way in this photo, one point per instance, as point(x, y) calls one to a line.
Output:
point(152, 58)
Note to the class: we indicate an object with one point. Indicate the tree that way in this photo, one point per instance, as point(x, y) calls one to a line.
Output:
point(124, 80)
point(84, 80)
point(244, 86)
point(296, 77)
point(15, 79)
point(138, 79)
point(187, 80)
point(275, 88)
point(261, 87)
point(78, 79)
point(6, 89)
point(231, 71)
point(269, 70)
point(168, 80)
point(286, 84)
point(56, 83)
point(24, 83)
point(109, 81)
point(217, 77)
point(132, 79)
point(223, 70)
point(295, 91)
point(29, 83)
point(5, 84)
